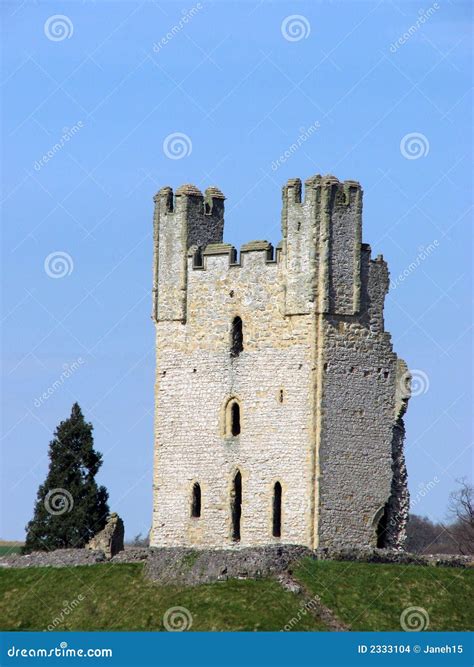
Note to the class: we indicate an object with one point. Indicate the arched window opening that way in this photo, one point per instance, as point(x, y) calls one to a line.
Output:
point(237, 337)
point(196, 501)
point(235, 418)
point(277, 510)
point(381, 529)
point(236, 506)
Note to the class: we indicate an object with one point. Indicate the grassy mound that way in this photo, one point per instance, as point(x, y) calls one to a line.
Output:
point(117, 597)
point(369, 596)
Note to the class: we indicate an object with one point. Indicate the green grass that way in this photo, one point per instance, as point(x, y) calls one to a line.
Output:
point(5, 550)
point(118, 597)
point(369, 596)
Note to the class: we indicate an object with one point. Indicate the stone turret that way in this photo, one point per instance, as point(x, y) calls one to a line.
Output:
point(181, 220)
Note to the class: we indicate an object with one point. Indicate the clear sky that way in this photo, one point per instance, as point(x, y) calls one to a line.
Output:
point(102, 88)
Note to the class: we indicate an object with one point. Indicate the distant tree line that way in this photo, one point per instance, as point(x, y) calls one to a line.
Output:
point(454, 537)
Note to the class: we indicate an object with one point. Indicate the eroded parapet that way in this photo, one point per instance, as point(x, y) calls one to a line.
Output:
point(322, 245)
point(181, 220)
point(212, 255)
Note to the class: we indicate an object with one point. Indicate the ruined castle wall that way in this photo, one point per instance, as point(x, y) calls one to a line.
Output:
point(196, 375)
point(316, 381)
point(355, 455)
point(355, 451)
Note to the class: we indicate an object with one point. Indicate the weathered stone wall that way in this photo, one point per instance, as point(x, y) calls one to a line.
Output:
point(196, 376)
point(316, 380)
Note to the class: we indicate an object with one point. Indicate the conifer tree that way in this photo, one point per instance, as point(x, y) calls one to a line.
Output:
point(70, 507)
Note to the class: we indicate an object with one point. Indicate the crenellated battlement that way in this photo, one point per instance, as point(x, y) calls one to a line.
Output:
point(263, 250)
point(318, 260)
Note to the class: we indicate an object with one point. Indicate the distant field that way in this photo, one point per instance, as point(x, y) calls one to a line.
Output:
point(9, 547)
point(118, 597)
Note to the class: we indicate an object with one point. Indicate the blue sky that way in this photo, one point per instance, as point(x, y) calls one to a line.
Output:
point(241, 81)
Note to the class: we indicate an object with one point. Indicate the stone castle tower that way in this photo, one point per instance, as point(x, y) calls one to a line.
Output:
point(279, 399)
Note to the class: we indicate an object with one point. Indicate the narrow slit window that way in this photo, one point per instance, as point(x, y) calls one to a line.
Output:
point(235, 418)
point(198, 261)
point(277, 510)
point(236, 506)
point(237, 337)
point(196, 501)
